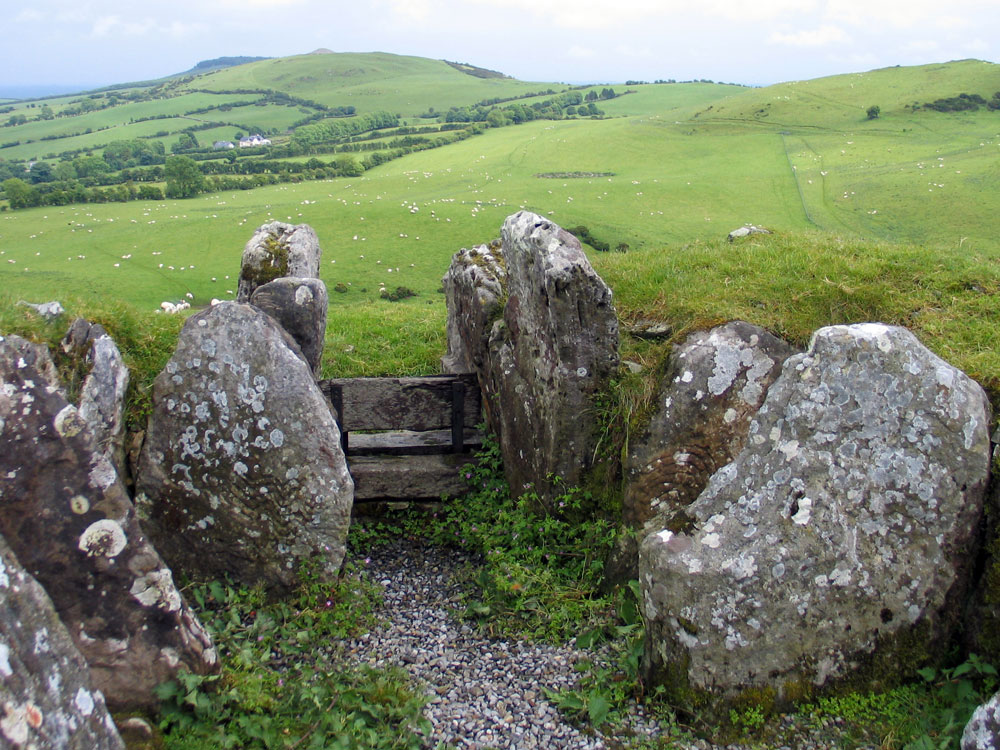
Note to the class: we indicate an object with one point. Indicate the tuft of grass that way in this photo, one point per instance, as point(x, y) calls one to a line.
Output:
point(284, 682)
point(146, 341)
point(795, 284)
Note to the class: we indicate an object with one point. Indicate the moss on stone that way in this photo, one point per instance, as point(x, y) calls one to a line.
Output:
point(275, 264)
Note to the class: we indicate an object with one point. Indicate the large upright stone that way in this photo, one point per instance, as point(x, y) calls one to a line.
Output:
point(242, 472)
point(67, 517)
point(275, 250)
point(102, 400)
point(556, 348)
point(474, 291)
point(299, 306)
point(47, 701)
point(982, 732)
point(714, 383)
point(841, 536)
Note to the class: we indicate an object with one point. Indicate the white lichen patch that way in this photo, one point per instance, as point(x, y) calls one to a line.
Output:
point(79, 504)
point(84, 702)
point(104, 538)
point(102, 474)
point(5, 670)
point(304, 295)
point(801, 518)
point(14, 724)
point(156, 589)
point(68, 422)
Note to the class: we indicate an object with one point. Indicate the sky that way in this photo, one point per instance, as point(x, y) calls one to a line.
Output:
point(90, 43)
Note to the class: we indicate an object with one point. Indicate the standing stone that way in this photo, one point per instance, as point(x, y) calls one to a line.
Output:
point(714, 384)
point(275, 250)
point(474, 290)
point(81, 334)
point(47, 701)
point(67, 517)
point(983, 730)
point(242, 472)
point(557, 347)
point(841, 536)
point(299, 306)
point(102, 400)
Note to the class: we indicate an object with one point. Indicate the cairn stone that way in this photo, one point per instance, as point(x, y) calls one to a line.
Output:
point(48, 310)
point(983, 730)
point(714, 384)
point(474, 290)
point(67, 517)
point(276, 250)
point(299, 306)
point(746, 231)
point(846, 527)
point(546, 359)
point(81, 334)
point(102, 400)
point(46, 695)
point(242, 472)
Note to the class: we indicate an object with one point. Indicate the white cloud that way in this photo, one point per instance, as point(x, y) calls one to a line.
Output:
point(908, 14)
point(820, 37)
point(581, 53)
point(600, 14)
point(28, 15)
point(920, 46)
point(115, 26)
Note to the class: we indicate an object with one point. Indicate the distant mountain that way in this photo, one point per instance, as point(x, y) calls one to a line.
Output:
point(218, 63)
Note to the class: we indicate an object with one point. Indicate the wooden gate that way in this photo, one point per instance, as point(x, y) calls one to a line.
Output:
point(407, 438)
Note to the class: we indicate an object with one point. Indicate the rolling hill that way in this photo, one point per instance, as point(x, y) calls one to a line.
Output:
point(666, 171)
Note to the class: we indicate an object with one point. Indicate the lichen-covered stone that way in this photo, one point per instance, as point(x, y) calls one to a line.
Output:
point(474, 291)
point(556, 348)
point(299, 306)
point(79, 337)
point(846, 525)
point(47, 701)
point(67, 517)
point(102, 400)
point(983, 730)
point(275, 250)
point(714, 383)
point(242, 472)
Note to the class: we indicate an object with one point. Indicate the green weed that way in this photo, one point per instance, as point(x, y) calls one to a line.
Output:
point(284, 682)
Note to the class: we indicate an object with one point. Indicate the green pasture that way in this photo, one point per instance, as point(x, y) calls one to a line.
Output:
point(890, 219)
point(97, 140)
point(842, 101)
point(372, 81)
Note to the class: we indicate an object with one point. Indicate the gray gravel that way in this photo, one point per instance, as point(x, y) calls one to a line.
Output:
point(483, 693)
point(489, 693)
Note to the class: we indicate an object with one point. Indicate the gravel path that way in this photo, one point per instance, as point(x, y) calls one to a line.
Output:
point(488, 693)
point(483, 693)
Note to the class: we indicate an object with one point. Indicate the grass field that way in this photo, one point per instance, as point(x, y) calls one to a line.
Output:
point(688, 163)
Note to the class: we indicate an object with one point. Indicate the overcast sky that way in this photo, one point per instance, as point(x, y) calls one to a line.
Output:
point(99, 42)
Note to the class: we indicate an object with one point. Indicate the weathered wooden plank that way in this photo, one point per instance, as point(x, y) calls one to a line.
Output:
point(402, 403)
point(408, 477)
point(407, 442)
